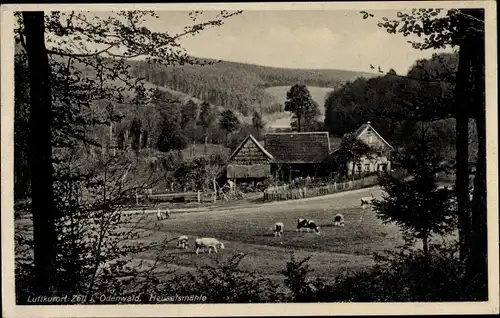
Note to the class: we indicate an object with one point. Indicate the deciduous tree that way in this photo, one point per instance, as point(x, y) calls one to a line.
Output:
point(352, 149)
point(300, 103)
point(72, 38)
point(229, 122)
point(257, 122)
point(206, 119)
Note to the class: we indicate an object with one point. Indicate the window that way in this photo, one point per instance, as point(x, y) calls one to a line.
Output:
point(358, 166)
point(367, 167)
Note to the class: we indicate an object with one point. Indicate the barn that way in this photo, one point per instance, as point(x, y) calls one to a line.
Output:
point(284, 156)
point(298, 154)
point(249, 162)
point(378, 162)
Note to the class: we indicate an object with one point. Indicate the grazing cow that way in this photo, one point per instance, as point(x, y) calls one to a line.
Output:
point(162, 215)
point(338, 220)
point(366, 202)
point(182, 242)
point(278, 229)
point(208, 242)
point(307, 225)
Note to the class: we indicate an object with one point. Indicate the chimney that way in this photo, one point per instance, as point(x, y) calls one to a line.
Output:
point(368, 122)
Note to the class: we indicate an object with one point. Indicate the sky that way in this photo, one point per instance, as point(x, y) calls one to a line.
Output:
point(298, 39)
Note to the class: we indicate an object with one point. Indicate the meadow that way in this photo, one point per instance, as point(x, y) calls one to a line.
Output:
point(248, 230)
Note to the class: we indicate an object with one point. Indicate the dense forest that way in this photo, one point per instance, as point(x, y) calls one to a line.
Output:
point(237, 86)
point(394, 103)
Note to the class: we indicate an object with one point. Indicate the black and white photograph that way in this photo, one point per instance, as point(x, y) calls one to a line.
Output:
point(303, 156)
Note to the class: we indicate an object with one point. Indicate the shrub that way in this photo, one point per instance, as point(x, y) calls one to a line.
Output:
point(296, 278)
point(225, 283)
point(398, 277)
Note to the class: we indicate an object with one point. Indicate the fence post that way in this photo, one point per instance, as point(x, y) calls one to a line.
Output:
point(199, 198)
point(335, 185)
point(136, 198)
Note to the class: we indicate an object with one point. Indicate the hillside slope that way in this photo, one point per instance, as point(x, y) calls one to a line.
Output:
point(238, 86)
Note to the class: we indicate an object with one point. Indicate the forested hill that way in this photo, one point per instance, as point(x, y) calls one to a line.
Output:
point(238, 86)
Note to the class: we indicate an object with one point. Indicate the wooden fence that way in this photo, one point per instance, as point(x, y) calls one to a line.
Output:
point(180, 197)
point(286, 193)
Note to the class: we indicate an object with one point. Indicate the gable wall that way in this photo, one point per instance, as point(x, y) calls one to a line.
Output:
point(250, 154)
point(372, 140)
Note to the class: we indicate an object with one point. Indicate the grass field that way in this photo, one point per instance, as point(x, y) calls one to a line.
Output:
point(247, 230)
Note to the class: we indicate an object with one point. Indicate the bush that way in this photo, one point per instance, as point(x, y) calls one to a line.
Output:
point(296, 278)
point(400, 276)
point(225, 283)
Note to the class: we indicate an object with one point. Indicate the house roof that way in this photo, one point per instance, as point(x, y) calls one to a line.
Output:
point(364, 127)
point(306, 147)
point(266, 153)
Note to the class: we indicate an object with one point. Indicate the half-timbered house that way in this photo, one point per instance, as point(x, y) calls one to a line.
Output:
point(378, 160)
point(284, 156)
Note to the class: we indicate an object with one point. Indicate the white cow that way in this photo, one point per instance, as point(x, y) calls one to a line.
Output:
point(338, 220)
point(182, 242)
point(366, 202)
point(162, 215)
point(208, 242)
point(278, 229)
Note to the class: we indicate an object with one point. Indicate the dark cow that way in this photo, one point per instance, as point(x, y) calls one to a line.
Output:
point(338, 220)
point(307, 225)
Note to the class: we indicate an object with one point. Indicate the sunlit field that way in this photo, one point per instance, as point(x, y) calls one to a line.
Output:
point(248, 230)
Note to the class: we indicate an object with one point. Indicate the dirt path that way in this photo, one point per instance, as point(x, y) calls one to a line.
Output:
point(360, 192)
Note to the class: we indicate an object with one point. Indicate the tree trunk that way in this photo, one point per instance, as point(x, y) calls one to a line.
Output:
point(353, 167)
point(425, 243)
point(298, 124)
point(41, 170)
point(139, 143)
point(477, 263)
point(111, 144)
point(205, 148)
point(462, 150)
point(215, 189)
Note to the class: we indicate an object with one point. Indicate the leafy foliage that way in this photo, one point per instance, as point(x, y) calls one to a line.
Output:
point(257, 122)
point(225, 283)
point(228, 121)
point(393, 103)
point(397, 277)
point(300, 103)
point(352, 149)
point(296, 278)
